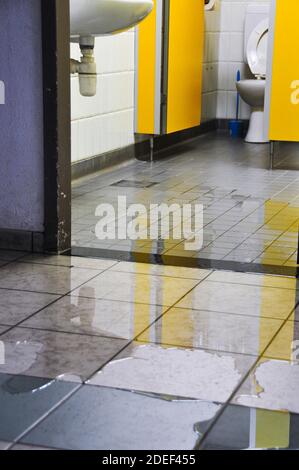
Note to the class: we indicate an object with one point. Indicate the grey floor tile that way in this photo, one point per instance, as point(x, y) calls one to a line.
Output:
point(139, 288)
point(270, 261)
point(176, 371)
point(43, 278)
point(286, 344)
point(157, 270)
point(67, 356)
point(239, 206)
point(101, 418)
point(240, 258)
point(25, 400)
point(4, 445)
point(3, 329)
point(241, 299)
point(240, 428)
point(25, 447)
point(280, 282)
point(16, 306)
point(96, 317)
point(212, 330)
point(70, 261)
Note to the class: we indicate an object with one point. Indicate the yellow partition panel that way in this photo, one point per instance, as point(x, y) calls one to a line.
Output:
point(169, 57)
point(272, 428)
point(284, 94)
point(185, 57)
point(146, 74)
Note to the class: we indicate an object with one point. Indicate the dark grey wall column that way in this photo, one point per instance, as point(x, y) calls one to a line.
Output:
point(21, 118)
point(57, 124)
point(35, 144)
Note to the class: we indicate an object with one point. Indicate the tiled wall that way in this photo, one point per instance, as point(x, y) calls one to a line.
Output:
point(231, 56)
point(210, 65)
point(105, 122)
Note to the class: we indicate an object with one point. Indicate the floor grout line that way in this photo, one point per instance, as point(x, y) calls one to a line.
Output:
point(85, 381)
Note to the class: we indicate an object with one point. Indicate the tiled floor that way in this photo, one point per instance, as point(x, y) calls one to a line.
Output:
point(100, 354)
point(251, 214)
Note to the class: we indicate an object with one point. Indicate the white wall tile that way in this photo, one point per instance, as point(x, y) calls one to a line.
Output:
point(210, 65)
point(104, 122)
point(224, 43)
point(236, 47)
point(75, 141)
point(221, 105)
point(231, 56)
point(223, 75)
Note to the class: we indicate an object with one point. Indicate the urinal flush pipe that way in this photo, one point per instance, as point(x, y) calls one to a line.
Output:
point(86, 67)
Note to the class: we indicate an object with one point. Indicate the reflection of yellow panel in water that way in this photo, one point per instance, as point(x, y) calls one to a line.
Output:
point(284, 108)
point(186, 27)
point(146, 288)
point(281, 217)
point(272, 429)
point(145, 120)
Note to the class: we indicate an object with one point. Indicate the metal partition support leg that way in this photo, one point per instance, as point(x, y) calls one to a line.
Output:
point(272, 154)
point(152, 149)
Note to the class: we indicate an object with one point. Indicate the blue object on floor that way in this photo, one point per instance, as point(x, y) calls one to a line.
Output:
point(236, 127)
point(238, 96)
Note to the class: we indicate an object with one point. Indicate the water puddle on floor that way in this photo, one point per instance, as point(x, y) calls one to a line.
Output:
point(273, 385)
point(177, 372)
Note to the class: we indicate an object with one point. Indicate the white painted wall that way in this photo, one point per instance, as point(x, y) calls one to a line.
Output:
point(210, 65)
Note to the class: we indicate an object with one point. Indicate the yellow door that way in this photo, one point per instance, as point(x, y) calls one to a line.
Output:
point(186, 43)
point(284, 93)
point(170, 63)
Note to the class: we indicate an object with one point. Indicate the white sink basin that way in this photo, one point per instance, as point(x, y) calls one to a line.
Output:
point(101, 17)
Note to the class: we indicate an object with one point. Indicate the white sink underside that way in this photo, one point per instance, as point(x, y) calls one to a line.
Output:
point(102, 17)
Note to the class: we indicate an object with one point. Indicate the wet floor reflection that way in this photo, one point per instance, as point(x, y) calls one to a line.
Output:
point(101, 418)
point(96, 317)
point(240, 428)
point(250, 215)
point(272, 385)
point(56, 355)
point(176, 371)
